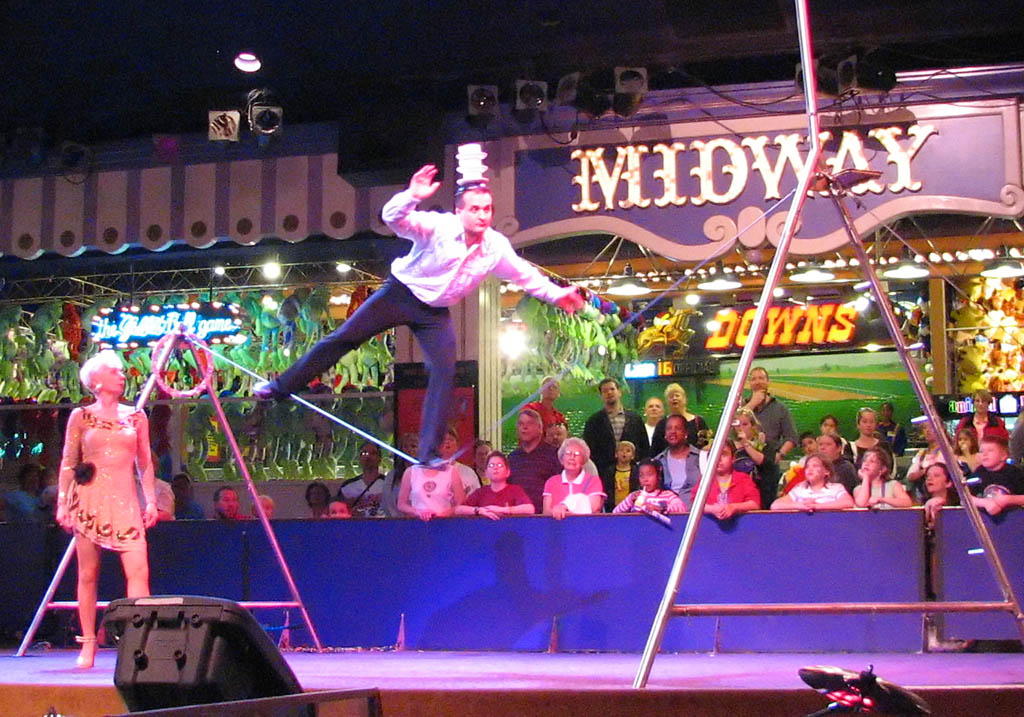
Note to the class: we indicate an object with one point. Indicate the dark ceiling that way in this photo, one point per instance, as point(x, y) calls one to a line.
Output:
point(117, 69)
point(111, 69)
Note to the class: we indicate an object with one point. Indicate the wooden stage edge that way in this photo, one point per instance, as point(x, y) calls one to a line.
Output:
point(503, 683)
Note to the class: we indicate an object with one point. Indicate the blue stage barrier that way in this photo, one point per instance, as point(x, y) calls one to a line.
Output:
point(475, 584)
point(965, 574)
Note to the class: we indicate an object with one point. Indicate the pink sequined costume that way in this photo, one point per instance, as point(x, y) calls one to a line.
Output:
point(105, 510)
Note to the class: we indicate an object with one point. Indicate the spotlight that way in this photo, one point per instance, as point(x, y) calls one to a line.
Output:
point(343, 268)
point(631, 80)
point(264, 117)
point(630, 88)
point(224, 125)
point(587, 98)
point(219, 271)
point(247, 62)
point(272, 270)
point(565, 93)
point(532, 95)
point(857, 75)
point(906, 270)
point(483, 100)
point(75, 158)
point(812, 274)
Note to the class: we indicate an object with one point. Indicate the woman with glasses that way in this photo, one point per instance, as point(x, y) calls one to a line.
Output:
point(497, 499)
point(573, 491)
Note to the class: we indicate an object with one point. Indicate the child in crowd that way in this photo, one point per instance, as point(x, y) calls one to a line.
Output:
point(817, 491)
point(938, 485)
point(652, 496)
point(498, 498)
point(625, 470)
point(733, 491)
point(794, 476)
point(877, 489)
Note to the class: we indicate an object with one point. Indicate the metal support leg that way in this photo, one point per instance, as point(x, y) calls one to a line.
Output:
point(924, 397)
point(267, 528)
point(746, 359)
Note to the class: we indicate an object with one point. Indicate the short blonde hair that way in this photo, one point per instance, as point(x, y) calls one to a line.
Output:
point(106, 358)
point(674, 387)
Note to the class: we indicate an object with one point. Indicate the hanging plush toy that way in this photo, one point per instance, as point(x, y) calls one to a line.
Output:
point(71, 326)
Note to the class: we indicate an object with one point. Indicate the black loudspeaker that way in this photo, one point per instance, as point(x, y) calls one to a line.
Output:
point(177, 650)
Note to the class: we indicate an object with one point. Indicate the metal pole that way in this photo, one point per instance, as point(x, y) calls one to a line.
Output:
point(747, 357)
point(47, 597)
point(925, 399)
point(259, 509)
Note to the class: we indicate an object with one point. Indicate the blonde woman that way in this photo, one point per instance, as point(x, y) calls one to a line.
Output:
point(675, 402)
point(105, 444)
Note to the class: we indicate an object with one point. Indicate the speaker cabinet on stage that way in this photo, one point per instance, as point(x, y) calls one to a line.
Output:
point(177, 650)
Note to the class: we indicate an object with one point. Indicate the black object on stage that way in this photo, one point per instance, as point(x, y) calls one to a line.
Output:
point(177, 650)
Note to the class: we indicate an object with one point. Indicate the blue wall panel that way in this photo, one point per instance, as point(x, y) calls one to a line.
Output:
point(480, 584)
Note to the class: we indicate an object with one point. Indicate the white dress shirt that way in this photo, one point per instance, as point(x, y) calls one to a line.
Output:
point(440, 268)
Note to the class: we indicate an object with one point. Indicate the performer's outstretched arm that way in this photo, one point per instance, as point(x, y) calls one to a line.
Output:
point(399, 212)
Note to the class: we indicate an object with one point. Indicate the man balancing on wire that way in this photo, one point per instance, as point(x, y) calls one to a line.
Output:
point(451, 254)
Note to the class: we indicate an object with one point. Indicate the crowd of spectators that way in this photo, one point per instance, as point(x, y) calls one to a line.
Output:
point(626, 462)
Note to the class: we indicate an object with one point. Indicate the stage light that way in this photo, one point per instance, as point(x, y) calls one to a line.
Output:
point(75, 158)
point(483, 100)
point(512, 341)
point(565, 92)
point(778, 292)
point(812, 275)
point(531, 95)
point(247, 62)
point(630, 88)
point(722, 284)
point(586, 97)
point(857, 75)
point(1005, 268)
point(223, 125)
point(219, 271)
point(628, 285)
point(271, 270)
point(343, 268)
point(872, 347)
point(265, 118)
point(906, 270)
point(692, 299)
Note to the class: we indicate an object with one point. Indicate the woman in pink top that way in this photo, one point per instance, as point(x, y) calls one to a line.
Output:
point(573, 491)
point(106, 445)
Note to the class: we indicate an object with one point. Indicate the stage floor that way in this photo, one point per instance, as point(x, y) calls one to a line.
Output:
point(412, 682)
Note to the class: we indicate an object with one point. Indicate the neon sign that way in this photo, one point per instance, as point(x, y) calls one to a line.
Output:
point(723, 166)
point(829, 325)
point(134, 326)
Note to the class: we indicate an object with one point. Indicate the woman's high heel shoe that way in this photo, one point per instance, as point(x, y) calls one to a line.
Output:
point(87, 656)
